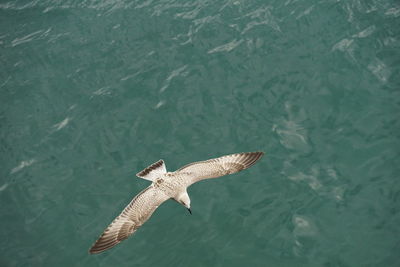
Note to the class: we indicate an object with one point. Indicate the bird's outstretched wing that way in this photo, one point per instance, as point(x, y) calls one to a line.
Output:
point(131, 218)
point(221, 166)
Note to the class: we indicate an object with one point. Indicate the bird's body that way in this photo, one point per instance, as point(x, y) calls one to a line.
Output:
point(168, 185)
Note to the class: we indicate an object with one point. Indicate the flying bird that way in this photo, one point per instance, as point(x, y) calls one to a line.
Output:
point(168, 185)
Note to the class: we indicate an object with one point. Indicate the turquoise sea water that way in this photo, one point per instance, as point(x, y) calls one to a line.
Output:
point(94, 91)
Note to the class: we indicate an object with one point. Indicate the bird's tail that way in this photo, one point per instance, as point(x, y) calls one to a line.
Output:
point(153, 171)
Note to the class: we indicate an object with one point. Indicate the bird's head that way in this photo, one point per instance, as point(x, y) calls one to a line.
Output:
point(184, 199)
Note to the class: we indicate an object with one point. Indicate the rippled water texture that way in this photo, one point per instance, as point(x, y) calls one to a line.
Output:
point(94, 91)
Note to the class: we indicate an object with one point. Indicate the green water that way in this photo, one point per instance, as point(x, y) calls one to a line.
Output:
point(94, 91)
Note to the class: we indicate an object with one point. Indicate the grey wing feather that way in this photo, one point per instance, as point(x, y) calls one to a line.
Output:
point(221, 166)
point(131, 218)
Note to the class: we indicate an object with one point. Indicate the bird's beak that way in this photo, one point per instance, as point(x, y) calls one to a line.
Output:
point(190, 211)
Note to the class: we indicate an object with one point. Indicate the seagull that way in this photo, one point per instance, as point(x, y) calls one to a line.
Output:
point(168, 185)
